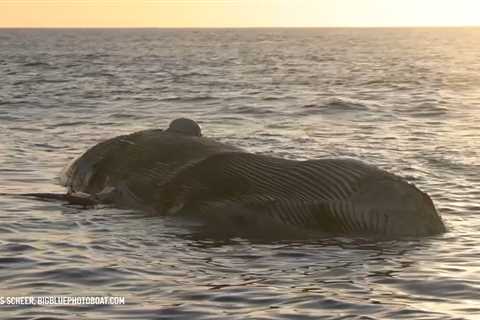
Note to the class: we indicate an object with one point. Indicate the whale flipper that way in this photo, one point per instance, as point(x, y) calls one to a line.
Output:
point(79, 198)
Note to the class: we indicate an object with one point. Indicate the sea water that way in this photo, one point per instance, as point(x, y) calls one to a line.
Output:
point(405, 100)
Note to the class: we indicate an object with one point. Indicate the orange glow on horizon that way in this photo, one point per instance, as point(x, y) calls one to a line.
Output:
point(238, 13)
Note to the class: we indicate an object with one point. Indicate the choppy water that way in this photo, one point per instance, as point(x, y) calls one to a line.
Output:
point(405, 100)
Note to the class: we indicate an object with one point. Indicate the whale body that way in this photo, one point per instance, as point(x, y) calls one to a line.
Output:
point(179, 172)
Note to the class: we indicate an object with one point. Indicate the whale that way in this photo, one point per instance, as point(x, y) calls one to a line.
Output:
point(179, 172)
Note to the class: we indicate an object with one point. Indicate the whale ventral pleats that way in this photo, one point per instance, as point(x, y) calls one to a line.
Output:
point(185, 126)
point(179, 172)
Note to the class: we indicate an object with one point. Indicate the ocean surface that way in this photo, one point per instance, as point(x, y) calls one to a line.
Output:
point(406, 100)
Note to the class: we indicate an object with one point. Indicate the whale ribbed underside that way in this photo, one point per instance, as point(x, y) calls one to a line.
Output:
point(333, 195)
point(172, 174)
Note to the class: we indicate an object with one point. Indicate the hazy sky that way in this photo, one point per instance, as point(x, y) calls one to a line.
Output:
point(238, 13)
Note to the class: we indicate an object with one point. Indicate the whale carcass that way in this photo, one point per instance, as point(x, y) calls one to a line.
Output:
point(177, 171)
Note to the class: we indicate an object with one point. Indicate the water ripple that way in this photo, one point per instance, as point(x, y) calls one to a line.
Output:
point(411, 108)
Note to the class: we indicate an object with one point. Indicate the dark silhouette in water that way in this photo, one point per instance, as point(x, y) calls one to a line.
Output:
point(178, 172)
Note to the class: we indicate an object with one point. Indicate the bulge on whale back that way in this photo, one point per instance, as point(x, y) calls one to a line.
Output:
point(177, 171)
point(185, 126)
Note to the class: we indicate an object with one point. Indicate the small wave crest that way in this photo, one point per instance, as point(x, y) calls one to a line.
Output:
point(334, 106)
point(36, 64)
point(189, 99)
point(249, 110)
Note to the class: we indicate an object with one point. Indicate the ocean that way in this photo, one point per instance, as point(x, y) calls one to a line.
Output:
point(405, 100)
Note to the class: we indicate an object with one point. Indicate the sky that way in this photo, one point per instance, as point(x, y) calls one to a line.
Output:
point(238, 13)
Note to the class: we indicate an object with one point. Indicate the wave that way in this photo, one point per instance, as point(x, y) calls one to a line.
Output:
point(98, 74)
point(429, 114)
point(189, 99)
point(334, 106)
point(249, 110)
point(426, 110)
point(10, 118)
point(39, 80)
point(67, 124)
point(36, 64)
point(123, 116)
point(275, 98)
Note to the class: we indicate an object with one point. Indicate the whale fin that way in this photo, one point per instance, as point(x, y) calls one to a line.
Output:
point(80, 199)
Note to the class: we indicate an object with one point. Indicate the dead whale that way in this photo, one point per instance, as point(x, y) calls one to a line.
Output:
point(178, 172)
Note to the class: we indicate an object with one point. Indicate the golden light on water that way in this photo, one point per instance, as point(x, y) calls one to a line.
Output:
point(238, 13)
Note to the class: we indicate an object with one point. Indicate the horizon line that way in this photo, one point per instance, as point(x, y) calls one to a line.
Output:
point(253, 27)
